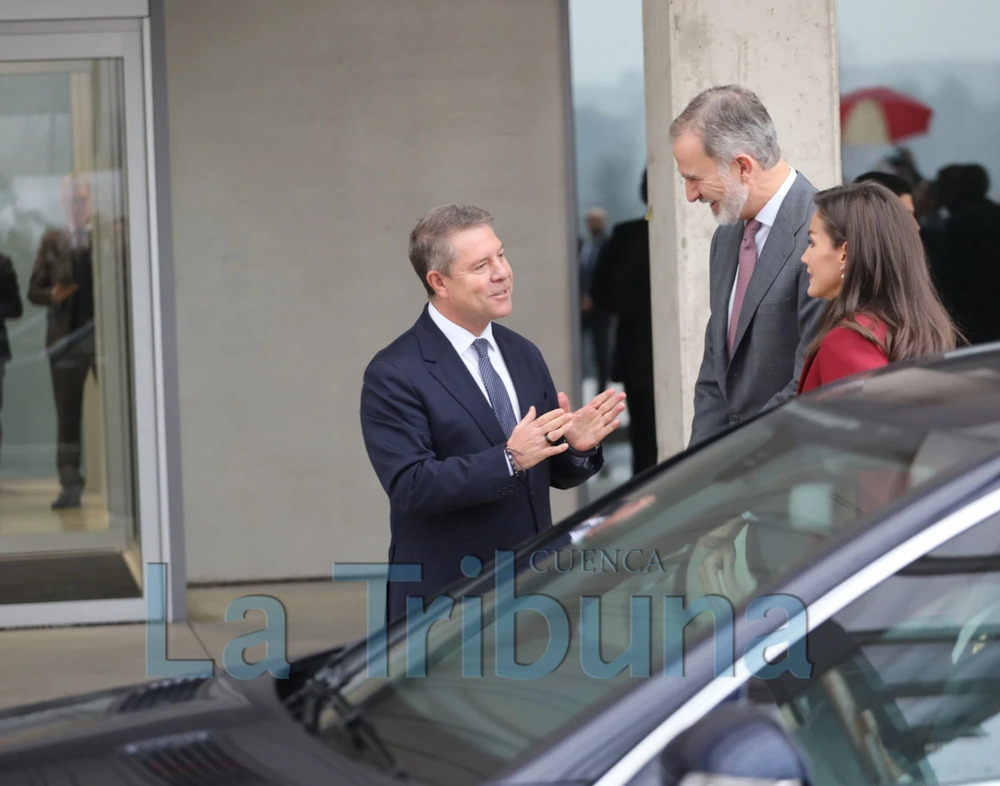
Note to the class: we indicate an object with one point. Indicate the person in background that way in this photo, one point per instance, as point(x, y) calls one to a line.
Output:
point(967, 265)
point(865, 258)
point(595, 322)
point(62, 280)
point(621, 285)
point(10, 308)
point(894, 183)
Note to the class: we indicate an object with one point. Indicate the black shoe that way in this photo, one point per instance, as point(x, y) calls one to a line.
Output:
point(69, 498)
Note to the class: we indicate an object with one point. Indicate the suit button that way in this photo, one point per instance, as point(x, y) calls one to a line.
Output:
point(734, 419)
point(508, 489)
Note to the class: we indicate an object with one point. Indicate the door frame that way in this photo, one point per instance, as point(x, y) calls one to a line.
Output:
point(127, 38)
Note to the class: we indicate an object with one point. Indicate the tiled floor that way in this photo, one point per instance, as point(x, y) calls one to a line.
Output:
point(47, 663)
point(25, 509)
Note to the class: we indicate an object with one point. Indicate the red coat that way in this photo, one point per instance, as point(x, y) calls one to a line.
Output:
point(843, 352)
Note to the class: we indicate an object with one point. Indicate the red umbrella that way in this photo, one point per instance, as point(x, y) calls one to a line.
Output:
point(878, 115)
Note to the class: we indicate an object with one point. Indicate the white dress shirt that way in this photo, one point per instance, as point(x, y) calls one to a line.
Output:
point(461, 339)
point(766, 216)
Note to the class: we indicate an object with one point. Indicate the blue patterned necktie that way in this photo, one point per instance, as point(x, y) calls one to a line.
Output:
point(495, 389)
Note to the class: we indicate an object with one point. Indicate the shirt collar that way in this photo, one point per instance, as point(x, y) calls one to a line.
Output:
point(769, 212)
point(460, 338)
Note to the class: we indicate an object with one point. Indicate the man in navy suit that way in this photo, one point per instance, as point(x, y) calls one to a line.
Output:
point(465, 475)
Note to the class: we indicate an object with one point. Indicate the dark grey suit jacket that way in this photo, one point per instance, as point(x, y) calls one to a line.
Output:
point(777, 322)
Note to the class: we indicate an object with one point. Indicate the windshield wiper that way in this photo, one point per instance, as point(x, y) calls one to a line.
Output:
point(352, 722)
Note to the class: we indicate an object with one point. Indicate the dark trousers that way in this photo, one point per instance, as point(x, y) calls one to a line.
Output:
point(69, 373)
point(642, 423)
point(598, 326)
point(3, 364)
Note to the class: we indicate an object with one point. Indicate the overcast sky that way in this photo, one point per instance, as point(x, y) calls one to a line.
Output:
point(606, 35)
point(605, 39)
point(944, 52)
point(905, 31)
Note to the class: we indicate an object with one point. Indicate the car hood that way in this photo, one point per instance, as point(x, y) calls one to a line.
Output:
point(186, 731)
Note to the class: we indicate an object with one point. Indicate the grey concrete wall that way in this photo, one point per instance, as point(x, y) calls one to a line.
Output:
point(306, 139)
point(785, 51)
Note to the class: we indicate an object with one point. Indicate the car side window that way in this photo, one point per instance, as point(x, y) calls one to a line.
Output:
point(905, 685)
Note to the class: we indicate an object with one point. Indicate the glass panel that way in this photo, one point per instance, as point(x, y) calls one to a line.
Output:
point(905, 685)
point(68, 528)
point(609, 119)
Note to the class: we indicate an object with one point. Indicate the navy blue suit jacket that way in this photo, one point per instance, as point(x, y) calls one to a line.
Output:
point(438, 451)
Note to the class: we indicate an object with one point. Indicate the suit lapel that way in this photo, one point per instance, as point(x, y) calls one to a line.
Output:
point(450, 370)
point(525, 383)
point(727, 252)
point(520, 373)
point(780, 243)
point(779, 246)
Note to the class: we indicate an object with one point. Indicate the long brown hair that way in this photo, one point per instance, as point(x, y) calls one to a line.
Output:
point(886, 274)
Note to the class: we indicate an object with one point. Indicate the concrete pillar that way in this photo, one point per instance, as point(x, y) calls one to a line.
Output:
point(786, 52)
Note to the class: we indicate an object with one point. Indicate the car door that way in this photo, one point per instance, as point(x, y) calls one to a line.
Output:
point(905, 685)
point(905, 679)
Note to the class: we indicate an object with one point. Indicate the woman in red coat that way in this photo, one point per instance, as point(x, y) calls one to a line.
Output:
point(866, 258)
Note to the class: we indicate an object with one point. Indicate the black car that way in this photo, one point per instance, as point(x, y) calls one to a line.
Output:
point(811, 597)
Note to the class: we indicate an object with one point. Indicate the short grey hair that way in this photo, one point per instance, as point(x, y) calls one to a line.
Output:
point(730, 120)
point(430, 240)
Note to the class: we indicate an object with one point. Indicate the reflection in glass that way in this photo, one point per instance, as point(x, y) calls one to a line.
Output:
point(68, 528)
point(904, 686)
point(729, 523)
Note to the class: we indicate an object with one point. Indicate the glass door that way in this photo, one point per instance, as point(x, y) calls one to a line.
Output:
point(79, 497)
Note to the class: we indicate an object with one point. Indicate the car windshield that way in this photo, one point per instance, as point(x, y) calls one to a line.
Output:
point(594, 614)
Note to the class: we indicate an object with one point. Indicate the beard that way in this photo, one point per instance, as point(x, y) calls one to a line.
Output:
point(733, 199)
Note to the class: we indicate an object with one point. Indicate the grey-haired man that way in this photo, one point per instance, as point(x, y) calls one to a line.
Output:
point(762, 320)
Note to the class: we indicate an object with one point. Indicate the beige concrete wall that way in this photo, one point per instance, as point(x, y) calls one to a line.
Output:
point(306, 138)
point(785, 51)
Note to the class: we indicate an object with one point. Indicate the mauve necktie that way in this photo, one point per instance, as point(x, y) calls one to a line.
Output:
point(748, 261)
point(495, 388)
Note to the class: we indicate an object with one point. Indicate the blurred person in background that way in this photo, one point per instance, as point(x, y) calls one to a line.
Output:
point(595, 322)
point(621, 285)
point(10, 308)
point(894, 183)
point(62, 280)
point(966, 257)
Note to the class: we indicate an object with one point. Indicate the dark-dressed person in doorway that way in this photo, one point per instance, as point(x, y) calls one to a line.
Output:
point(621, 285)
point(461, 419)
point(10, 308)
point(762, 320)
point(62, 280)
